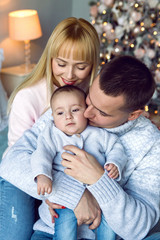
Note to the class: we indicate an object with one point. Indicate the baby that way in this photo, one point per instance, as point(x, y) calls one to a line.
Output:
point(70, 128)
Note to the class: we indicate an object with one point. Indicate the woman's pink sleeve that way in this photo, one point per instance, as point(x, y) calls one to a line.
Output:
point(24, 113)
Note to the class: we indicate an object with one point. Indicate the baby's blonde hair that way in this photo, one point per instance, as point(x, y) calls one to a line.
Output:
point(69, 32)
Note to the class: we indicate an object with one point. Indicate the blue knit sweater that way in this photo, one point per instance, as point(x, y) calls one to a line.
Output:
point(104, 146)
point(132, 211)
point(46, 160)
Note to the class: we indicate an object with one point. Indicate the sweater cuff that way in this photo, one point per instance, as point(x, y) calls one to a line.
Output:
point(66, 191)
point(38, 172)
point(105, 189)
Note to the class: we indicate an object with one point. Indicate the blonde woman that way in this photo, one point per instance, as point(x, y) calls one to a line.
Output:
point(71, 57)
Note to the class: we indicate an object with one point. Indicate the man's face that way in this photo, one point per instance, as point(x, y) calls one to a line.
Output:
point(104, 110)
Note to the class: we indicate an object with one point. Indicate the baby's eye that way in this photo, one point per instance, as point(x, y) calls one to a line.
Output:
point(75, 110)
point(59, 113)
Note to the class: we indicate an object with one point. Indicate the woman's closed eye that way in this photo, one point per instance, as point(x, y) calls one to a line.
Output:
point(82, 67)
point(61, 65)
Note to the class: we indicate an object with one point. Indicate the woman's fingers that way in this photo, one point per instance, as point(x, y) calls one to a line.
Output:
point(53, 205)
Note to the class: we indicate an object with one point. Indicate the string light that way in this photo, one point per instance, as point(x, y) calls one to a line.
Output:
point(136, 5)
point(108, 56)
point(156, 112)
point(134, 31)
point(142, 29)
point(153, 25)
point(146, 108)
point(152, 41)
point(122, 33)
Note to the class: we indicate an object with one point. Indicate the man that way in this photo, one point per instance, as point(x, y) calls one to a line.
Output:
point(115, 101)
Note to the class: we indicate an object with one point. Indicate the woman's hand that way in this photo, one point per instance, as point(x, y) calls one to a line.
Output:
point(81, 166)
point(88, 211)
point(51, 207)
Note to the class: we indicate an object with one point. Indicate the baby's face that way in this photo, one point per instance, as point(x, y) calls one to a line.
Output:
point(68, 112)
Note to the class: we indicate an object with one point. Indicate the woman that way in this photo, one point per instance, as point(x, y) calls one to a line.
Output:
point(71, 57)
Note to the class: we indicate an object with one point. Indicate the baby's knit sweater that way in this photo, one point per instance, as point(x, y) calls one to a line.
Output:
point(46, 160)
point(104, 146)
point(131, 212)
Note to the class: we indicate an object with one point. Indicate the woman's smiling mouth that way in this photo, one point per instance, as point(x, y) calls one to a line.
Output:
point(68, 82)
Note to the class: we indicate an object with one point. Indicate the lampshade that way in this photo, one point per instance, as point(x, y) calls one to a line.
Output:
point(24, 25)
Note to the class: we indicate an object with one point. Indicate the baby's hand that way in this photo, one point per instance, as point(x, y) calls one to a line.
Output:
point(44, 185)
point(112, 170)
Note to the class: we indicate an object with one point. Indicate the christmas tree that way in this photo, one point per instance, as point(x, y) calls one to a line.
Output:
point(129, 27)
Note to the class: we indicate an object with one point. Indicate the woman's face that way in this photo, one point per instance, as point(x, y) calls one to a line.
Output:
point(68, 71)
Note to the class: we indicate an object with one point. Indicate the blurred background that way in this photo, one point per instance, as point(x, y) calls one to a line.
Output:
point(50, 13)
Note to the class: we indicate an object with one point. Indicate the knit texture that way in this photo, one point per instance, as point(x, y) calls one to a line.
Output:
point(46, 160)
point(131, 212)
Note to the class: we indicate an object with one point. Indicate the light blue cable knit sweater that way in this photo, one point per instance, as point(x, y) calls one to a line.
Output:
point(104, 146)
point(46, 160)
point(131, 212)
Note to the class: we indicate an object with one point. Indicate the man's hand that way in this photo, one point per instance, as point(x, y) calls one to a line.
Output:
point(88, 211)
point(81, 166)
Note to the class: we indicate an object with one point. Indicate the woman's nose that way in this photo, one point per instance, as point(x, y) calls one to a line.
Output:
point(70, 73)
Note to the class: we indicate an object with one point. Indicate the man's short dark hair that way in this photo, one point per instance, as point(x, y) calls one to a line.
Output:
point(128, 76)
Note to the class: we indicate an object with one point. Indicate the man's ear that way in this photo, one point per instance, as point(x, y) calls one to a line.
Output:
point(134, 115)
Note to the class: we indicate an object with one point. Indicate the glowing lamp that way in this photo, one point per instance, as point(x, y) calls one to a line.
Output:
point(24, 25)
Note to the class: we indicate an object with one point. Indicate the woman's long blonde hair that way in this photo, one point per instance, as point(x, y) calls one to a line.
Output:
point(69, 32)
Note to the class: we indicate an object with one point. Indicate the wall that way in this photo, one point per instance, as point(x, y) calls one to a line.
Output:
point(80, 8)
point(50, 13)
